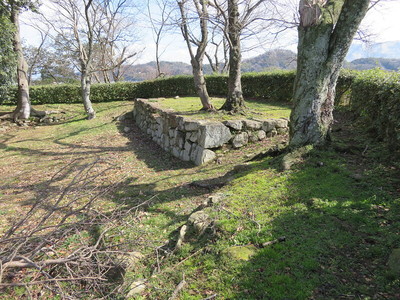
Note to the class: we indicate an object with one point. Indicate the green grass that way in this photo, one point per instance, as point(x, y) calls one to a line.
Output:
point(257, 109)
point(339, 233)
point(339, 229)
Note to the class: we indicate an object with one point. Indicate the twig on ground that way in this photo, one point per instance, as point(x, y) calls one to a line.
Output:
point(278, 240)
point(50, 280)
point(178, 288)
point(211, 297)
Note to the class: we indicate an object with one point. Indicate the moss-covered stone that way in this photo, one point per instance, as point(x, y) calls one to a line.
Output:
point(241, 252)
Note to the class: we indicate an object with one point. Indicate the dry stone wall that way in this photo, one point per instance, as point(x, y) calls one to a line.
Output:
point(195, 140)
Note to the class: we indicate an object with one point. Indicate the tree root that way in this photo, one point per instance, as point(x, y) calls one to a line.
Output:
point(15, 115)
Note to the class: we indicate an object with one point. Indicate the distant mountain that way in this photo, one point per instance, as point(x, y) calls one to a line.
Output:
point(388, 64)
point(149, 70)
point(359, 58)
point(271, 60)
point(381, 50)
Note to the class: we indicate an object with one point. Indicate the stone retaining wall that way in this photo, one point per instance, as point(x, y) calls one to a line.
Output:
point(194, 140)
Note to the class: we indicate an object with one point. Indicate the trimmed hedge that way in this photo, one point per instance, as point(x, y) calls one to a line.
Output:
point(272, 86)
point(375, 97)
point(275, 86)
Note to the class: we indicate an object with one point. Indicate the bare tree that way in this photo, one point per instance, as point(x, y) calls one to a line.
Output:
point(74, 22)
point(159, 13)
point(241, 19)
point(92, 29)
point(114, 39)
point(326, 30)
point(23, 110)
point(196, 59)
point(218, 44)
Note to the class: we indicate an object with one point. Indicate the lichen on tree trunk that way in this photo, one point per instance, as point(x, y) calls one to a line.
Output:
point(85, 89)
point(23, 109)
point(201, 87)
point(324, 40)
point(198, 57)
point(234, 101)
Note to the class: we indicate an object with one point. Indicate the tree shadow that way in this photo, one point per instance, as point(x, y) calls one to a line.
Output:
point(146, 149)
point(339, 232)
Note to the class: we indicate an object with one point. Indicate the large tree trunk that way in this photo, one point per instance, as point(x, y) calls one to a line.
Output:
point(235, 100)
point(326, 31)
point(85, 88)
point(200, 84)
point(23, 110)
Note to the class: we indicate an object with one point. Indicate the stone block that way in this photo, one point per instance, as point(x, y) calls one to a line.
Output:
point(193, 152)
point(186, 154)
point(281, 123)
point(176, 152)
point(240, 140)
point(261, 135)
point(253, 136)
point(234, 124)
point(272, 133)
point(187, 146)
point(172, 121)
point(252, 125)
point(214, 135)
point(192, 125)
point(180, 139)
point(194, 136)
point(282, 130)
point(269, 125)
point(204, 155)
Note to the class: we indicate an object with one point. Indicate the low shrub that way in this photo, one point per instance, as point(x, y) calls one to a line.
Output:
point(375, 97)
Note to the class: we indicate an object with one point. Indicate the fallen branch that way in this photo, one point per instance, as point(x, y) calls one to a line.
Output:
point(50, 280)
point(278, 240)
point(178, 288)
point(24, 262)
point(211, 297)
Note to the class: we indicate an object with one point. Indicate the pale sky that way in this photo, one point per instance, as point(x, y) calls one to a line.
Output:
point(383, 22)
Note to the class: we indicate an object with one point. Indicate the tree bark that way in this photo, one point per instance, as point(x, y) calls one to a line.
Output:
point(198, 58)
point(85, 89)
point(234, 101)
point(326, 31)
point(86, 58)
point(201, 87)
point(23, 110)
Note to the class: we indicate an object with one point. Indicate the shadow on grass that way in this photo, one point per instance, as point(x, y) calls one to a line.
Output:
point(339, 233)
point(146, 149)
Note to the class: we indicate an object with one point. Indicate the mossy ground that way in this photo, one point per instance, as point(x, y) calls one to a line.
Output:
point(338, 211)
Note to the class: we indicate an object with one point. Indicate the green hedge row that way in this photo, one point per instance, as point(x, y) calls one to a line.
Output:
point(275, 86)
point(70, 93)
point(271, 86)
point(375, 97)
